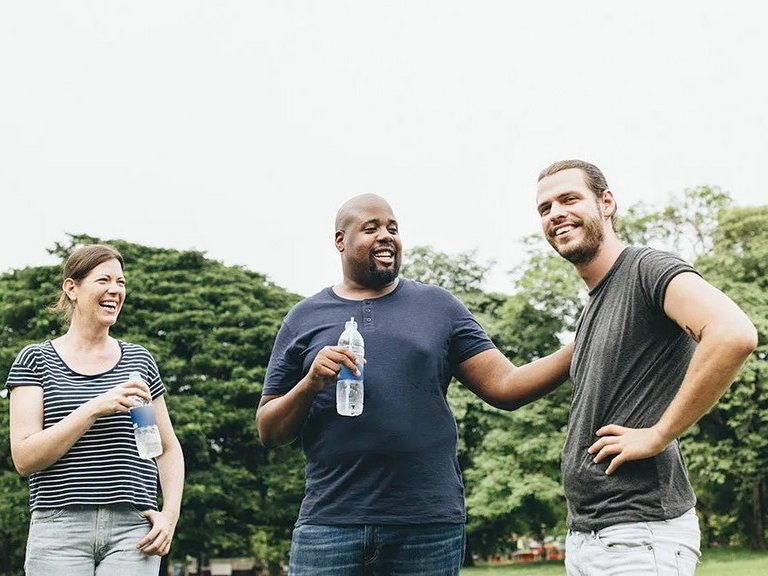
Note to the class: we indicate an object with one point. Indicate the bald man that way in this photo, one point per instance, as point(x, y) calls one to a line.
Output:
point(384, 493)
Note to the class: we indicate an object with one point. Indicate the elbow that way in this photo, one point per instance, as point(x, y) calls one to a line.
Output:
point(23, 468)
point(506, 404)
point(741, 339)
point(267, 437)
point(269, 440)
point(745, 340)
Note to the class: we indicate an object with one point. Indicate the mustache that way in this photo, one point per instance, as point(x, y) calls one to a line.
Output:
point(575, 222)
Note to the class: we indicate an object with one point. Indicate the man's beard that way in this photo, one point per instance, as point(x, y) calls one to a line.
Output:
point(585, 250)
point(379, 278)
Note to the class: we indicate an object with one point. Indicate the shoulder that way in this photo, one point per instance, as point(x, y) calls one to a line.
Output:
point(646, 256)
point(133, 351)
point(308, 305)
point(429, 297)
point(31, 354)
point(415, 288)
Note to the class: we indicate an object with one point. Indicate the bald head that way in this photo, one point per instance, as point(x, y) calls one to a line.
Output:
point(352, 207)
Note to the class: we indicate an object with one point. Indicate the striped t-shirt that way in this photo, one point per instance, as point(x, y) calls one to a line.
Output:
point(103, 467)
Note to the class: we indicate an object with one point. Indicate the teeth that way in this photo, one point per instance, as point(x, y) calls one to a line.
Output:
point(563, 230)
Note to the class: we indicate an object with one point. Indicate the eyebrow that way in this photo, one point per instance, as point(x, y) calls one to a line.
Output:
point(376, 221)
point(560, 195)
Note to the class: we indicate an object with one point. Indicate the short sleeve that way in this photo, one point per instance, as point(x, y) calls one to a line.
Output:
point(467, 336)
point(656, 270)
point(285, 363)
point(24, 370)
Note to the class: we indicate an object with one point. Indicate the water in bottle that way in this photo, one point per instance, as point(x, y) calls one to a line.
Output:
point(145, 428)
point(349, 387)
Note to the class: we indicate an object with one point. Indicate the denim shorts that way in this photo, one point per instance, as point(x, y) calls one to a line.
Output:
point(88, 541)
point(377, 550)
point(662, 548)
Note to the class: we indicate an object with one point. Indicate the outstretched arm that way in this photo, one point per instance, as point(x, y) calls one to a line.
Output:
point(725, 336)
point(496, 380)
point(279, 418)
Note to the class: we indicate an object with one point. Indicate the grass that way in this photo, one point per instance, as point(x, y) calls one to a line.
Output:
point(729, 562)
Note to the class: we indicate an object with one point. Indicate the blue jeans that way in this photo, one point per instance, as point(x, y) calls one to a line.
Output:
point(377, 550)
point(88, 541)
point(663, 548)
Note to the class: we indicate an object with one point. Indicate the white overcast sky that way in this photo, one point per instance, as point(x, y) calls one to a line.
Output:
point(239, 127)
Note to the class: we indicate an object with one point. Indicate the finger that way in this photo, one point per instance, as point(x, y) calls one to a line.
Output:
point(346, 359)
point(602, 443)
point(597, 446)
point(610, 429)
point(149, 538)
point(615, 463)
point(155, 545)
point(607, 451)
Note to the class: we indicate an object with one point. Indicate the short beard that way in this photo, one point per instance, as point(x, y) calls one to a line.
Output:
point(381, 278)
point(586, 250)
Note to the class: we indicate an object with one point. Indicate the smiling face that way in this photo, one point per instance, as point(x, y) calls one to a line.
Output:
point(368, 239)
point(572, 217)
point(99, 296)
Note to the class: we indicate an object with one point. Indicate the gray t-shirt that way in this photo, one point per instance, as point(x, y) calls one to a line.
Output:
point(628, 364)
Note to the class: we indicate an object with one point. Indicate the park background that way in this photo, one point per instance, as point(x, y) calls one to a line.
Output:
point(211, 329)
point(215, 141)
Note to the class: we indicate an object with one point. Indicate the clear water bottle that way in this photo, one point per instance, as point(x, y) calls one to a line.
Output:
point(145, 428)
point(349, 388)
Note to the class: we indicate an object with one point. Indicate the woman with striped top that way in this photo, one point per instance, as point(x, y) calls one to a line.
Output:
point(93, 500)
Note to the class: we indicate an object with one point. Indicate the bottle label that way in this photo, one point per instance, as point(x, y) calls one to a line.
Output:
point(347, 374)
point(142, 416)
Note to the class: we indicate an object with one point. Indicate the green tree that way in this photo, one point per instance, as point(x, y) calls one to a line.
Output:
point(513, 483)
point(511, 460)
point(211, 329)
point(728, 449)
point(455, 272)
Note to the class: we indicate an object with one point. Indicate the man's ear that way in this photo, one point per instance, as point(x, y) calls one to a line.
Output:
point(339, 240)
point(609, 205)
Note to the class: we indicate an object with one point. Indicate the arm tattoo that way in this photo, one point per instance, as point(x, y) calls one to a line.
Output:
point(692, 334)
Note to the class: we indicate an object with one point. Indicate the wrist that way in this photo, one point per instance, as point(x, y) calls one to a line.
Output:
point(664, 434)
point(172, 512)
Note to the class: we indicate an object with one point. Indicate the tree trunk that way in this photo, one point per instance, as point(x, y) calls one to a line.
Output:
point(759, 510)
point(469, 559)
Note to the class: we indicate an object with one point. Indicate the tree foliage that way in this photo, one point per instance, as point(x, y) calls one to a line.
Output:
point(728, 449)
point(211, 329)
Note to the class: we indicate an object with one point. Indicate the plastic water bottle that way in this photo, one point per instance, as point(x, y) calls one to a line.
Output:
point(145, 428)
point(349, 388)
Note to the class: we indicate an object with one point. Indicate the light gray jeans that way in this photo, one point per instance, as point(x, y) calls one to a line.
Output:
point(88, 541)
point(663, 548)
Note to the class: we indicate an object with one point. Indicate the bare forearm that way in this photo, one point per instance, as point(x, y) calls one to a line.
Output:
point(712, 370)
point(170, 466)
point(279, 419)
point(497, 381)
point(535, 379)
point(42, 449)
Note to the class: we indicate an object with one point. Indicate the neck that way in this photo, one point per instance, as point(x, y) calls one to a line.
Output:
point(80, 337)
point(596, 269)
point(352, 290)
